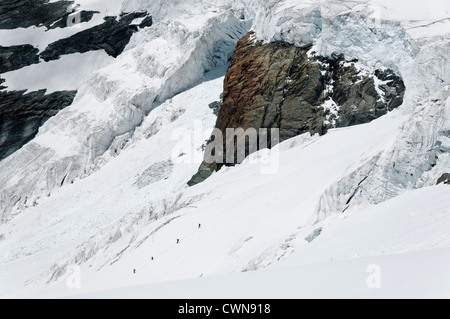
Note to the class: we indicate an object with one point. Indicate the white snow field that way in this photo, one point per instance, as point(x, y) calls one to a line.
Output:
point(335, 265)
point(101, 191)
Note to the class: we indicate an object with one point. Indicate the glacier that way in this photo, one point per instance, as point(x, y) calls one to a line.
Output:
point(100, 188)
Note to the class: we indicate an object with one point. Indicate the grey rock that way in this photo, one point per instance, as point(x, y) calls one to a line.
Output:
point(394, 90)
point(445, 178)
point(204, 172)
point(17, 57)
point(22, 114)
point(316, 233)
point(147, 22)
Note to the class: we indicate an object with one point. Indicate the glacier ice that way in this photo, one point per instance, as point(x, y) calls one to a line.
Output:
point(129, 101)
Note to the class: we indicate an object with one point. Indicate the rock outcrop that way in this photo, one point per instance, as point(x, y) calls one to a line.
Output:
point(22, 114)
point(112, 36)
point(27, 13)
point(16, 57)
point(279, 85)
point(445, 178)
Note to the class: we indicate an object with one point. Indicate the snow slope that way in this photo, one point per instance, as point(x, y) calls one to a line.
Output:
point(102, 186)
point(335, 265)
point(161, 61)
point(403, 276)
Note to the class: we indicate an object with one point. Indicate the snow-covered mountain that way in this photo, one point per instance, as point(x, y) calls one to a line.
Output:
point(94, 198)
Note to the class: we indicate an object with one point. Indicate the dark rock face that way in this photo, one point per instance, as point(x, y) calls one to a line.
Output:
point(147, 22)
point(1, 86)
point(21, 115)
point(16, 57)
point(27, 13)
point(277, 85)
point(393, 90)
point(112, 36)
point(444, 179)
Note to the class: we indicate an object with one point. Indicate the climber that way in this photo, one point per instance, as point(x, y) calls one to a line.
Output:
point(199, 226)
point(134, 271)
point(178, 241)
